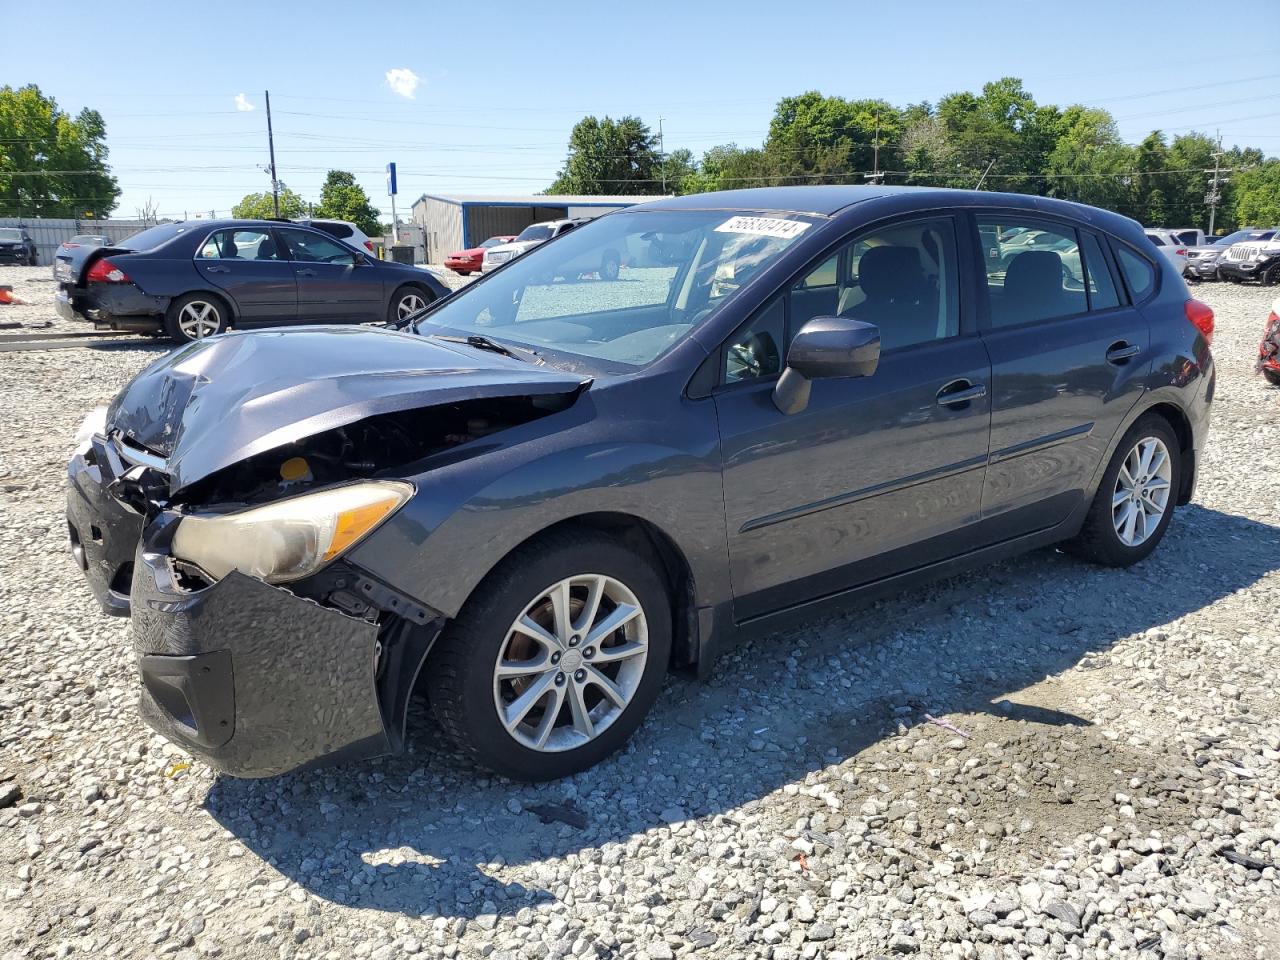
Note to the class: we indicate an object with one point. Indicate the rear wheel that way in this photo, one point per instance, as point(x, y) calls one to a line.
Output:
point(196, 316)
point(1135, 501)
point(554, 661)
point(405, 302)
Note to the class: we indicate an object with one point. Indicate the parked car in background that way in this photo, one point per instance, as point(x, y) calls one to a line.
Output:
point(527, 239)
point(344, 230)
point(196, 279)
point(547, 493)
point(1269, 348)
point(16, 246)
point(1189, 236)
point(1202, 261)
point(62, 255)
point(469, 261)
point(1257, 259)
point(1171, 248)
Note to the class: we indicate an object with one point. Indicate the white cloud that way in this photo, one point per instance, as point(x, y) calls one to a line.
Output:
point(403, 81)
point(242, 103)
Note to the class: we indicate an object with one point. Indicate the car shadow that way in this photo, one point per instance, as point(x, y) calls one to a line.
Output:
point(427, 834)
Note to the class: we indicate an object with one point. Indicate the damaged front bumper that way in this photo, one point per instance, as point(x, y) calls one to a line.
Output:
point(257, 680)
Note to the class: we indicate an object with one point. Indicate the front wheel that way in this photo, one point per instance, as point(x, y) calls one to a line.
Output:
point(1135, 501)
point(405, 302)
point(555, 660)
point(1272, 275)
point(195, 317)
point(1273, 376)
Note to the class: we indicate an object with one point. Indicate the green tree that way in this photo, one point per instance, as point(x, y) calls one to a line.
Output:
point(259, 206)
point(610, 157)
point(341, 198)
point(1257, 195)
point(52, 165)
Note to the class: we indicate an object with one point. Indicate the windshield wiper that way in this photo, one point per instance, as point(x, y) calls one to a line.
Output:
point(484, 343)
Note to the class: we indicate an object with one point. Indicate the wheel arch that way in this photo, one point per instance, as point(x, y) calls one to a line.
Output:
point(1174, 415)
point(648, 539)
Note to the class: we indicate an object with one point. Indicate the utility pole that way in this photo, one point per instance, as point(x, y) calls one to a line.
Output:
point(1213, 197)
point(875, 176)
point(662, 156)
point(271, 146)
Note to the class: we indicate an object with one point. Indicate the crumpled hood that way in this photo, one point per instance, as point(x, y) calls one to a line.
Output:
point(218, 401)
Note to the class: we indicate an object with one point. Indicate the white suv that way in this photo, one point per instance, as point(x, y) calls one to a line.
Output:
point(529, 238)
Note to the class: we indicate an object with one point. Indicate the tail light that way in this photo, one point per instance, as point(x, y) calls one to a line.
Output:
point(369, 245)
point(1181, 251)
point(104, 271)
point(70, 246)
point(1201, 316)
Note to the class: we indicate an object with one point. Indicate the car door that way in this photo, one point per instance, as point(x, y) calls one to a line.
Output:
point(335, 284)
point(247, 265)
point(1068, 358)
point(876, 475)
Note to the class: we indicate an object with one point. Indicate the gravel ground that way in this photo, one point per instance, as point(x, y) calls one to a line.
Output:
point(1101, 776)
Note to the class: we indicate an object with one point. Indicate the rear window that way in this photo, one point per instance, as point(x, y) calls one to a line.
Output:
point(339, 230)
point(1155, 238)
point(155, 236)
point(1138, 273)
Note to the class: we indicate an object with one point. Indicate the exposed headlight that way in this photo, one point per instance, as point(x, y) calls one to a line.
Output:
point(93, 424)
point(288, 539)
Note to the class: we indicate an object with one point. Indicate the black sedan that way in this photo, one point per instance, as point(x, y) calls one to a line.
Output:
point(195, 279)
point(548, 491)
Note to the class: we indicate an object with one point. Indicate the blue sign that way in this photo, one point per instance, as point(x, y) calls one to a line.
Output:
point(391, 179)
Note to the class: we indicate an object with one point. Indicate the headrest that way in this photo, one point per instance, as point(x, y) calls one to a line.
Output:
point(1033, 274)
point(889, 273)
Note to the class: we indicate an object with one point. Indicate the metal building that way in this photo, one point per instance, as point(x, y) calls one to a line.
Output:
point(456, 223)
point(48, 232)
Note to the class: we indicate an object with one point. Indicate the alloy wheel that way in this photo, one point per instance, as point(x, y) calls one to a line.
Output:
point(1142, 490)
point(409, 304)
point(571, 663)
point(199, 319)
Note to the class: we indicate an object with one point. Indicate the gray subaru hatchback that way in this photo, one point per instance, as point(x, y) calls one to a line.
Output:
point(541, 494)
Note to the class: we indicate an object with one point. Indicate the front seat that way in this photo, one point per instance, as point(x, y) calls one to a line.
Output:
point(898, 296)
point(1033, 288)
point(229, 249)
point(266, 249)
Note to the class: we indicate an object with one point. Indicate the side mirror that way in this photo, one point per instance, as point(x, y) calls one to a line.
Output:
point(826, 347)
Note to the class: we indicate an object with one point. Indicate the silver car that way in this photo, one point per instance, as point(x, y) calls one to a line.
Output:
point(1202, 261)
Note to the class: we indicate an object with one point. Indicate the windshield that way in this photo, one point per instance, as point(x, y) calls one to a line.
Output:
point(7, 234)
point(1241, 235)
point(493, 242)
point(535, 231)
point(623, 289)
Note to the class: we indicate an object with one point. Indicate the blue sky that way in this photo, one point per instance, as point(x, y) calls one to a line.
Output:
point(497, 94)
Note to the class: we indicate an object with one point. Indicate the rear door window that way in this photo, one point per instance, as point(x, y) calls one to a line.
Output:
point(1034, 273)
point(1102, 288)
point(238, 245)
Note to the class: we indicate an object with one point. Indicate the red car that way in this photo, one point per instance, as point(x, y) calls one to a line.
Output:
point(465, 262)
point(1269, 348)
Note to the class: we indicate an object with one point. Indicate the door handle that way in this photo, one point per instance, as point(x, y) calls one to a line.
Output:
point(306, 273)
point(213, 269)
point(1121, 351)
point(960, 392)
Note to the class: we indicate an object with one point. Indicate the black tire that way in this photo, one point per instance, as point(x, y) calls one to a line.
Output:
point(1271, 276)
point(176, 325)
point(1098, 540)
point(610, 265)
point(1273, 376)
point(461, 670)
point(407, 294)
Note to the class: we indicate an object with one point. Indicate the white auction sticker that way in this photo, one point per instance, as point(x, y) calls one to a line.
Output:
point(764, 227)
